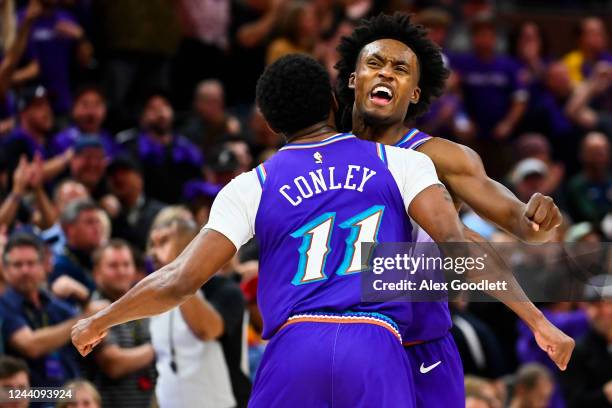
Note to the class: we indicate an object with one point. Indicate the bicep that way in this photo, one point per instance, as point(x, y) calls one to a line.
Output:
point(434, 211)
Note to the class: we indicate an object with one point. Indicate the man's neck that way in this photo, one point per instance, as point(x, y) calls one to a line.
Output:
point(163, 138)
point(314, 133)
point(39, 137)
point(385, 134)
point(34, 298)
point(131, 201)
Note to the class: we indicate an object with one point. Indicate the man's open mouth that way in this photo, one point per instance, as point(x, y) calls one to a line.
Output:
point(381, 95)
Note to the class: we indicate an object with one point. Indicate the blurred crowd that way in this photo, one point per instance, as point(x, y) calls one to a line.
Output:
point(120, 121)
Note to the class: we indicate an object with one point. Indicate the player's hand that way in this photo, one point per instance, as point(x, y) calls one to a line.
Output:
point(607, 389)
point(558, 345)
point(85, 335)
point(542, 213)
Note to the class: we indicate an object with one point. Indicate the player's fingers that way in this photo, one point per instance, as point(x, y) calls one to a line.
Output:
point(541, 212)
point(532, 205)
point(548, 221)
point(533, 225)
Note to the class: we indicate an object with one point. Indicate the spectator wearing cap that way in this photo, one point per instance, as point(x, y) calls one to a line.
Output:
point(535, 145)
point(210, 124)
point(125, 376)
point(137, 211)
point(56, 39)
point(88, 165)
point(88, 115)
point(168, 160)
point(485, 76)
point(222, 165)
point(199, 196)
point(590, 192)
point(14, 374)
point(84, 232)
point(528, 177)
point(35, 324)
point(35, 124)
point(588, 379)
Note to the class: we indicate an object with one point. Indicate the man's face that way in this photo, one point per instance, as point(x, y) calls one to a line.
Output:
point(594, 37)
point(596, 153)
point(19, 381)
point(24, 269)
point(89, 112)
point(210, 103)
point(158, 115)
point(540, 396)
point(88, 166)
point(87, 232)
point(115, 272)
point(162, 246)
point(38, 115)
point(385, 82)
point(600, 315)
point(69, 192)
point(483, 40)
point(125, 182)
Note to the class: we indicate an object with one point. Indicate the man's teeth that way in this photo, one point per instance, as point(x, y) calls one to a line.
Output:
point(382, 89)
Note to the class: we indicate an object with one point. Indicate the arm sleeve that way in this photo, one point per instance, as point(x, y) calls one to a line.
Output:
point(235, 208)
point(413, 171)
point(11, 322)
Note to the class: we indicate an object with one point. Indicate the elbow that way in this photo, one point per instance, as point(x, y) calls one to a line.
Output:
point(210, 333)
point(33, 352)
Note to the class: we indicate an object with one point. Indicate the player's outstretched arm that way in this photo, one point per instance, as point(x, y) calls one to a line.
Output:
point(161, 291)
point(461, 170)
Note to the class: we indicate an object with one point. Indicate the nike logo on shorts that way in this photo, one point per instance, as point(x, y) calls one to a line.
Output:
point(425, 370)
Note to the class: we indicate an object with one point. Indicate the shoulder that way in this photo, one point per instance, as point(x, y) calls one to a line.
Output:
point(451, 157)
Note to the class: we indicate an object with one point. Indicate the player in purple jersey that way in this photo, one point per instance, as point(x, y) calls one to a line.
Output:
point(310, 206)
point(389, 73)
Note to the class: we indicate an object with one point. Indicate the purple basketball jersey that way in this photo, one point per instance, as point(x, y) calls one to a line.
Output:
point(319, 202)
point(438, 321)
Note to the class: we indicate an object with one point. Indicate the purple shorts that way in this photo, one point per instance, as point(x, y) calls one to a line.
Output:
point(437, 373)
point(334, 363)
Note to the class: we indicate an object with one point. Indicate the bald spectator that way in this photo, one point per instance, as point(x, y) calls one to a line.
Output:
point(35, 324)
point(126, 374)
point(592, 47)
point(137, 212)
point(65, 192)
point(84, 232)
point(210, 123)
point(590, 192)
point(533, 387)
point(167, 159)
point(587, 382)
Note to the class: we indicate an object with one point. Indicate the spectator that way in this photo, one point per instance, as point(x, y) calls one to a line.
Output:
point(84, 233)
point(529, 46)
point(484, 75)
point(191, 365)
point(126, 358)
point(222, 166)
point(529, 177)
point(35, 124)
point(88, 165)
point(57, 40)
point(203, 50)
point(88, 115)
point(210, 123)
point(65, 192)
point(482, 389)
point(299, 31)
point(84, 393)
point(168, 160)
point(137, 212)
point(36, 325)
point(199, 196)
point(592, 47)
point(14, 374)
point(535, 145)
point(588, 378)
point(590, 192)
point(263, 138)
point(533, 387)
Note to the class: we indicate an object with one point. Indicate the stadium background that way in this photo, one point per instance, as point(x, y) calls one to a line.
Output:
point(149, 104)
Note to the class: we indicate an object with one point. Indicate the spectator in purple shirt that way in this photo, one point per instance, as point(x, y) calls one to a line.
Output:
point(494, 94)
point(88, 115)
point(35, 123)
point(167, 159)
point(55, 40)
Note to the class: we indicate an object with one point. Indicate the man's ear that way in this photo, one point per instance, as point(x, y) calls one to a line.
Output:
point(416, 95)
point(351, 82)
